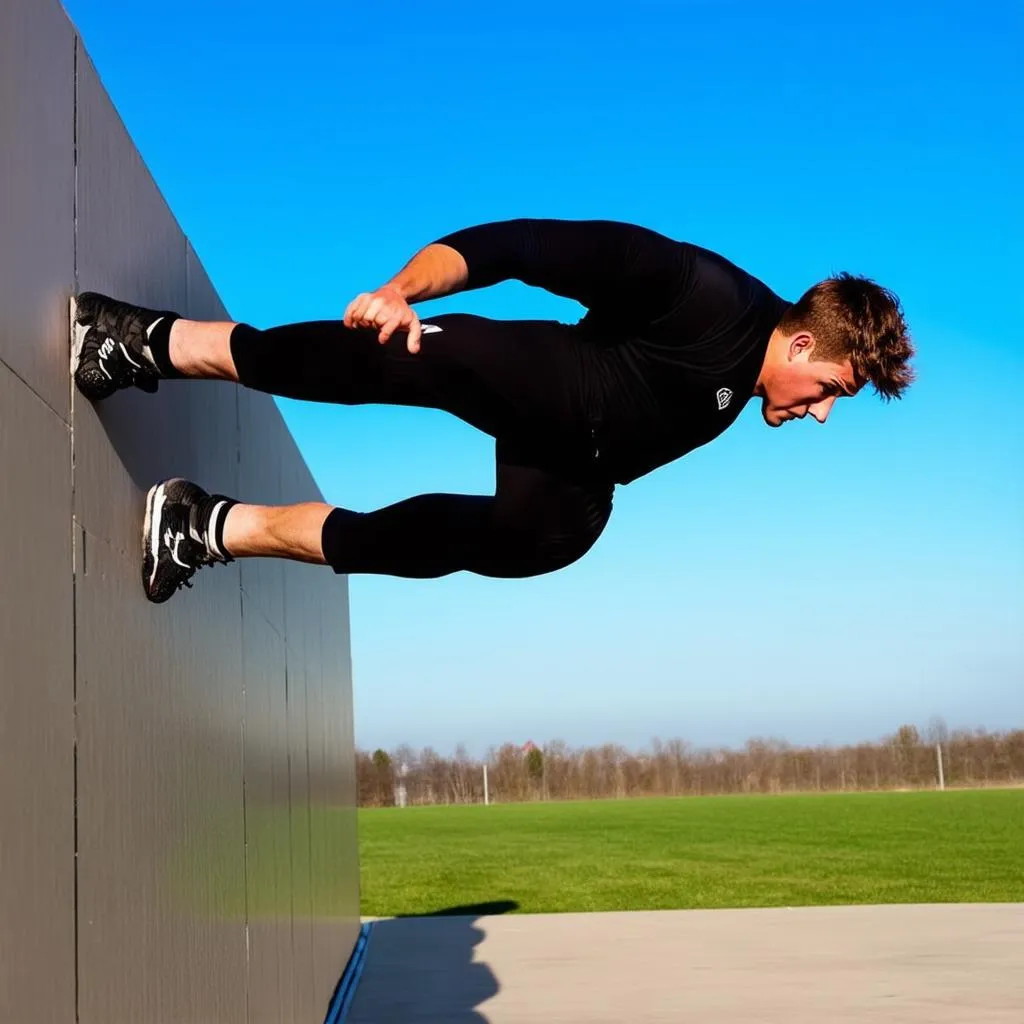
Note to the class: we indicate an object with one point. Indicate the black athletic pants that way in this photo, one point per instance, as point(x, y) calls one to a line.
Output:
point(523, 382)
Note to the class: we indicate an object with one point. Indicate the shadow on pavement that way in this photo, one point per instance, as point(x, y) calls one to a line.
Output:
point(421, 967)
point(470, 910)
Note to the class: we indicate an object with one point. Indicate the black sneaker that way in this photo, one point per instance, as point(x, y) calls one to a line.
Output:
point(179, 536)
point(110, 349)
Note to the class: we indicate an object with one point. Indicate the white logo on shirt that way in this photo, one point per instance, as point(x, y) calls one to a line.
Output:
point(429, 329)
point(724, 397)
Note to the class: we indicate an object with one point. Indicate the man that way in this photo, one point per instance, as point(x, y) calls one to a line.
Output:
point(675, 340)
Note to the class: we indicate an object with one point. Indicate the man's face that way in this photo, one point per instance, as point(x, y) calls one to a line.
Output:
point(794, 385)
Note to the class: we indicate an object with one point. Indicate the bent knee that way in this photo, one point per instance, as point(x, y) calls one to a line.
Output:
point(534, 549)
point(551, 556)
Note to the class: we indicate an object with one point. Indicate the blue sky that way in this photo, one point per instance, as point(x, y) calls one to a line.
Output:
point(820, 584)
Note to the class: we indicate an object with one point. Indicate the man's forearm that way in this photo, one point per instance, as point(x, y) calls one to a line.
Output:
point(434, 271)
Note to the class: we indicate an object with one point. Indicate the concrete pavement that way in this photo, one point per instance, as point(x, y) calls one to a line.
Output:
point(928, 964)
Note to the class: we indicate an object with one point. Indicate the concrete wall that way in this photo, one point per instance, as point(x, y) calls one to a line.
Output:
point(177, 824)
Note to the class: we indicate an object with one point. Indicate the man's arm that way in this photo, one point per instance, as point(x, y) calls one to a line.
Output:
point(625, 268)
point(632, 273)
point(435, 271)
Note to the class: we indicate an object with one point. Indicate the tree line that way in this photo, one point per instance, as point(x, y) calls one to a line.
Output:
point(907, 759)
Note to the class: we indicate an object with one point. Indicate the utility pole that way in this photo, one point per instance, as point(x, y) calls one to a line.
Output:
point(487, 795)
point(401, 797)
point(942, 776)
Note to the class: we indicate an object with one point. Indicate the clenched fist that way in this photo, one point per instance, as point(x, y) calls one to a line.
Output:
point(387, 309)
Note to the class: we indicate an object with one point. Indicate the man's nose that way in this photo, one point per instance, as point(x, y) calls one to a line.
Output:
point(820, 410)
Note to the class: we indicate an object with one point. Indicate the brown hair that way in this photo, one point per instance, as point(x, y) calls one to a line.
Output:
point(852, 317)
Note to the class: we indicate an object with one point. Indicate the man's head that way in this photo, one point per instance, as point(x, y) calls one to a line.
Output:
point(844, 332)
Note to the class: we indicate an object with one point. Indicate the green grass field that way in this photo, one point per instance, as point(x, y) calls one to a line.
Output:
point(706, 852)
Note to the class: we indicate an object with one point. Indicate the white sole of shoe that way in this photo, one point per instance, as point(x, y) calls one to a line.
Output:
point(155, 501)
point(78, 332)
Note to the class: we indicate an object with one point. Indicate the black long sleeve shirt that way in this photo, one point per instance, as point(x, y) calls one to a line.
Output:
point(688, 329)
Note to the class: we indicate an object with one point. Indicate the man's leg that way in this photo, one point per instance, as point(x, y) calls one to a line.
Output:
point(541, 518)
point(507, 378)
point(186, 528)
point(533, 524)
point(268, 531)
point(545, 513)
point(117, 345)
point(549, 505)
point(502, 377)
point(202, 350)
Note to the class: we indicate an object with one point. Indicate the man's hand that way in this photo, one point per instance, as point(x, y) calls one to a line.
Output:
point(387, 309)
point(434, 271)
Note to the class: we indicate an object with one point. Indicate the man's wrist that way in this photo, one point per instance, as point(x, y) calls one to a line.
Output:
point(402, 290)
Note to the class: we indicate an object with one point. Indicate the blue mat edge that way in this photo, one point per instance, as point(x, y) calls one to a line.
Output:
point(341, 1002)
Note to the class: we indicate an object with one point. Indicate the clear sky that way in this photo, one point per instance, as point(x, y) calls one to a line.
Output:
point(812, 583)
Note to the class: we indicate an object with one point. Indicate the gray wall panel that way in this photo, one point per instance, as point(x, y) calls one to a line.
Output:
point(160, 832)
point(176, 675)
point(37, 912)
point(316, 609)
point(303, 990)
point(260, 482)
point(37, 194)
point(129, 243)
point(203, 301)
point(205, 727)
point(325, 973)
point(324, 958)
point(268, 860)
point(305, 720)
point(339, 766)
point(129, 246)
point(334, 864)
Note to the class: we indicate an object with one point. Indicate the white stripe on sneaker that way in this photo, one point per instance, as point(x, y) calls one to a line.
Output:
point(155, 516)
point(211, 529)
point(77, 335)
point(175, 539)
point(128, 357)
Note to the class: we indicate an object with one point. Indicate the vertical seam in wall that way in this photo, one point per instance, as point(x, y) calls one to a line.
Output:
point(76, 44)
point(325, 731)
point(245, 815)
point(353, 790)
point(245, 808)
point(291, 809)
point(309, 816)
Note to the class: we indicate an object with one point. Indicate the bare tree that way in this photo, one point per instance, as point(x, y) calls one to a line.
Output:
point(905, 759)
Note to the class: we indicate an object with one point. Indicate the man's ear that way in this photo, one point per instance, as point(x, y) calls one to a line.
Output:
point(801, 344)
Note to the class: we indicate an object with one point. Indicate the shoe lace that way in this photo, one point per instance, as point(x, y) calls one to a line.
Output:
point(201, 562)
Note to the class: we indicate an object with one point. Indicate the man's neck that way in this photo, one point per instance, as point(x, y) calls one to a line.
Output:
point(773, 342)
